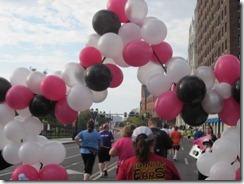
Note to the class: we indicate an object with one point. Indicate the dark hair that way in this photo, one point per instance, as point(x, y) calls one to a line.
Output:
point(142, 148)
point(210, 128)
point(90, 125)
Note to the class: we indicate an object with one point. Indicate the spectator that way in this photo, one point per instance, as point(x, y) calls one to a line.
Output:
point(163, 141)
point(90, 143)
point(176, 138)
point(123, 147)
point(209, 131)
point(103, 153)
point(146, 165)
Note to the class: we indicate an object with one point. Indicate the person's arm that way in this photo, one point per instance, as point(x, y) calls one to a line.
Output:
point(77, 140)
point(113, 152)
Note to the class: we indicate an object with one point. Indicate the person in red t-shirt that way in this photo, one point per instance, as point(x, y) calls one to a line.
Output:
point(146, 165)
point(176, 138)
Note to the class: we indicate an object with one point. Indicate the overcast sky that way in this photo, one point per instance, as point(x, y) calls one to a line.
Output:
point(47, 34)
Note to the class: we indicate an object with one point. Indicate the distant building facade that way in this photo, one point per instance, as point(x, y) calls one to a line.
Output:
point(217, 30)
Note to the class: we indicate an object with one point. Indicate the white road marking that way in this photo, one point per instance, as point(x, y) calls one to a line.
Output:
point(72, 156)
point(186, 161)
point(182, 148)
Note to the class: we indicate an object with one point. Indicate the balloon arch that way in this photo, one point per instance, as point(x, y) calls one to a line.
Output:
point(125, 37)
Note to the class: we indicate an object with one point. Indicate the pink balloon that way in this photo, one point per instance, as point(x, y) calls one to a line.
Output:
point(30, 172)
point(118, 7)
point(53, 87)
point(117, 75)
point(137, 53)
point(168, 105)
point(19, 97)
point(227, 69)
point(230, 113)
point(89, 56)
point(53, 172)
point(164, 52)
point(64, 113)
point(238, 174)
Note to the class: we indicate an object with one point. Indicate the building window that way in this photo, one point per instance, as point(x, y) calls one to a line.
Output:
point(239, 22)
point(225, 10)
point(225, 44)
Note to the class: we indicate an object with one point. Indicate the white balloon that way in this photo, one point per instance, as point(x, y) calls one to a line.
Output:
point(92, 40)
point(119, 60)
point(30, 152)
point(205, 162)
point(238, 124)
point(233, 134)
point(225, 150)
point(57, 73)
point(177, 68)
point(110, 45)
point(3, 139)
point(29, 138)
point(99, 96)
point(53, 152)
point(212, 102)
point(34, 80)
point(154, 31)
point(6, 114)
point(145, 72)
point(158, 84)
point(73, 73)
point(41, 140)
point(224, 89)
point(24, 113)
point(222, 171)
point(109, 61)
point(14, 130)
point(206, 73)
point(10, 152)
point(136, 10)
point(79, 98)
point(33, 126)
point(129, 32)
point(19, 76)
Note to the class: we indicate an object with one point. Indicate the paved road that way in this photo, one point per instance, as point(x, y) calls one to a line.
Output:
point(185, 164)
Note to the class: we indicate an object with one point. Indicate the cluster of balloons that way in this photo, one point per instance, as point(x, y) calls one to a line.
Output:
point(208, 91)
point(125, 37)
point(222, 163)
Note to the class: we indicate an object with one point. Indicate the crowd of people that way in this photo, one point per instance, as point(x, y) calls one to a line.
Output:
point(141, 151)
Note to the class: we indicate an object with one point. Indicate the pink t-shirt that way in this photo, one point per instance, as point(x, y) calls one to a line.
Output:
point(125, 148)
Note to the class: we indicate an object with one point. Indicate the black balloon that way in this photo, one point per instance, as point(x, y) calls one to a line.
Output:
point(40, 106)
point(105, 21)
point(191, 89)
point(98, 77)
point(193, 114)
point(236, 88)
point(4, 87)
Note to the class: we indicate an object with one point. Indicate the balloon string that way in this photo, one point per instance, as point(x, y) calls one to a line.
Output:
point(103, 59)
point(160, 62)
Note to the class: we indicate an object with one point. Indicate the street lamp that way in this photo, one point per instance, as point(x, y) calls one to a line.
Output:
point(94, 114)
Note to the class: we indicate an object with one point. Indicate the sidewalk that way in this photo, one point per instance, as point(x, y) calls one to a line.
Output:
point(63, 140)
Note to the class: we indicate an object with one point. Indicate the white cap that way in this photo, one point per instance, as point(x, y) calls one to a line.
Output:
point(142, 130)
